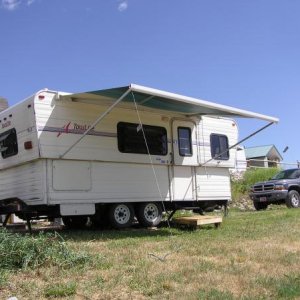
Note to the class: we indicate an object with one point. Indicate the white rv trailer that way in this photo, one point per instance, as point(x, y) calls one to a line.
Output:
point(116, 153)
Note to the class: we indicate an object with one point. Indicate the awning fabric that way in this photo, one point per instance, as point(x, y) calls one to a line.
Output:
point(157, 99)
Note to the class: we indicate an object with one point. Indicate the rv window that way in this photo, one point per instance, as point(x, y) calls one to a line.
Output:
point(131, 139)
point(184, 141)
point(218, 146)
point(8, 143)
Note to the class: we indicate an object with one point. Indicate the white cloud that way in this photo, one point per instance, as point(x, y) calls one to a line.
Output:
point(11, 4)
point(123, 5)
point(15, 4)
point(29, 2)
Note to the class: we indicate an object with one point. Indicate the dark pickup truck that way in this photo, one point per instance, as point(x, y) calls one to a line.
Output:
point(284, 187)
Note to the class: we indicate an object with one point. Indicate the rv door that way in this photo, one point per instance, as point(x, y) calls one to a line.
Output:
point(185, 158)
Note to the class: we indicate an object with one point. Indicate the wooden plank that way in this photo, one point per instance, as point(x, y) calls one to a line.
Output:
point(198, 220)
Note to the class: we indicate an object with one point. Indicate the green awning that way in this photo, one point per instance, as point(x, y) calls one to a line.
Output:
point(161, 100)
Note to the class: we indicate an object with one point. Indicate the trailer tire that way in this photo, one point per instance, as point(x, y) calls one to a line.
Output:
point(75, 222)
point(293, 199)
point(121, 215)
point(149, 214)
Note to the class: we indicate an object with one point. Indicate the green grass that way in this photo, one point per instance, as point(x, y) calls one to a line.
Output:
point(214, 294)
point(240, 187)
point(284, 287)
point(288, 287)
point(253, 255)
point(3, 277)
point(60, 290)
point(33, 252)
point(28, 251)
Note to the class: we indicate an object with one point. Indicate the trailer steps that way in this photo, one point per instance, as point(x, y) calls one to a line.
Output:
point(198, 220)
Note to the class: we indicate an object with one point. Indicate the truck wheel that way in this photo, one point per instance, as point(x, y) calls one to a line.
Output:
point(149, 214)
point(260, 205)
point(75, 222)
point(293, 199)
point(121, 215)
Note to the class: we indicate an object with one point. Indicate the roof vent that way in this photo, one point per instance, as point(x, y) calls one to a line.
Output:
point(3, 104)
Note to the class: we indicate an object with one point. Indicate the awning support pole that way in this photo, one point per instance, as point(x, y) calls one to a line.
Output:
point(96, 122)
point(239, 142)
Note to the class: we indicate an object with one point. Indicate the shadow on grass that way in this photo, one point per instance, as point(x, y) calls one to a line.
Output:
point(105, 233)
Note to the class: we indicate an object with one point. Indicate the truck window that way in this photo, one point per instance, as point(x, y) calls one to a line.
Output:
point(8, 143)
point(218, 146)
point(131, 139)
point(185, 141)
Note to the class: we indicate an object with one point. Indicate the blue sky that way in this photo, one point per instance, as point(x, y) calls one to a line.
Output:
point(240, 53)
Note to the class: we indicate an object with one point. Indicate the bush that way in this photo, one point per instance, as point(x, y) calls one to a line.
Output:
point(255, 175)
point(240, 187)
point(27, 251)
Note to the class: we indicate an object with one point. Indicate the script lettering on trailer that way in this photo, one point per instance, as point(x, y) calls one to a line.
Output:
point(75, 127)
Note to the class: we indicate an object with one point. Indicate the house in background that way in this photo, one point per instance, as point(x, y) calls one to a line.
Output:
point(263, 156)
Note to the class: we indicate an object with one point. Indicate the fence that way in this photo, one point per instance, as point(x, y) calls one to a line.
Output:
point(242, 165)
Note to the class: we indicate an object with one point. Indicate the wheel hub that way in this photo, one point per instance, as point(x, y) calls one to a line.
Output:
point(151, 212)
point(295, 200)
point(122, 214)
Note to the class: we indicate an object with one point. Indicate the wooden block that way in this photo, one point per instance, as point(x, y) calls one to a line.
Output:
point(198, 220)
point(16, 226)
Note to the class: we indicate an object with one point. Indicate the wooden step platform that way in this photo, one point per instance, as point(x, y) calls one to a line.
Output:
point(198, 220)
point(16, 226)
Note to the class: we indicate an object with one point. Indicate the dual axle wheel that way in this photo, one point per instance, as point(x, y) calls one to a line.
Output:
point(120, 215)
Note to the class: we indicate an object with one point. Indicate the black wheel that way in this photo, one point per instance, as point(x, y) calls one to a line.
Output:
point(293, 199)
point(260, 205)
point(121, 215)
point(149, 214)
point(75, 222)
